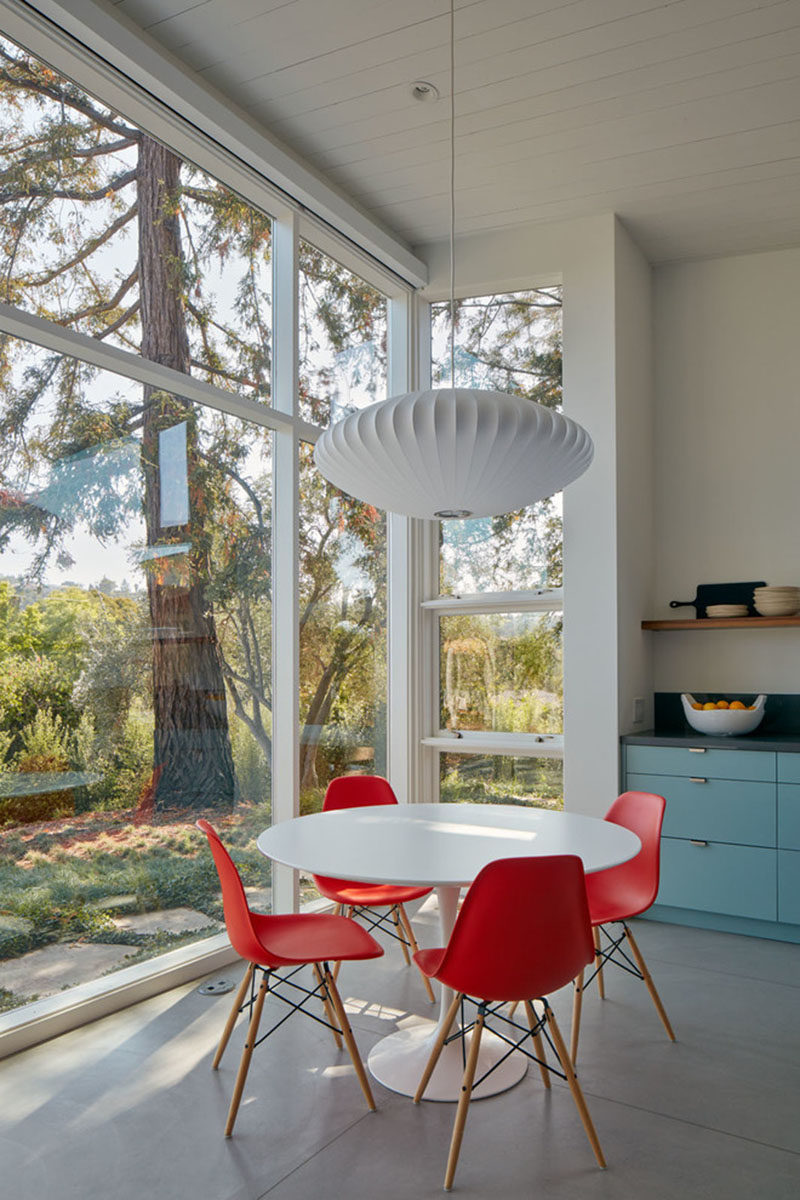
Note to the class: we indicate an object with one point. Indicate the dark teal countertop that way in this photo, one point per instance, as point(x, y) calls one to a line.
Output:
point(787, 742)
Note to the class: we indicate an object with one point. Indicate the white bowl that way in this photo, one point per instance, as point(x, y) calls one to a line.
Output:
point(727, 610)
point(777, 608)
point(723, 722)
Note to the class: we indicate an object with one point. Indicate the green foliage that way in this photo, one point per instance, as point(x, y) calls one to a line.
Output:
point(252, 766)
point(10, 1000)
point(28, 685)
point(534, 782)
point(46, 737)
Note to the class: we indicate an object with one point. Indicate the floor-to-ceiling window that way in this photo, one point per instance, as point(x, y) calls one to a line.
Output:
point(499, 608)
point(138, 595)
point(342, 624)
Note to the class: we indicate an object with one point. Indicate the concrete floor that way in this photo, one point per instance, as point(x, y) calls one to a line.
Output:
point(129, 1108)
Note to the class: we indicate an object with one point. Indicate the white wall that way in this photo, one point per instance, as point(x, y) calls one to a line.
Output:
point(606, 380)
point(727, 436)
point(635, 459)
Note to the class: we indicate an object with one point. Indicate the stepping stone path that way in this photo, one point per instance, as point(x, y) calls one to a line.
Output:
point(167, 920)
point(65, 964)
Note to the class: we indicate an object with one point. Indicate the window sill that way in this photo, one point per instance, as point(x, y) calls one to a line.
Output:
point(523, 745)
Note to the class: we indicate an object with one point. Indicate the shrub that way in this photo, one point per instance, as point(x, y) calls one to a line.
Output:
point(28, 685)
point(46, 737)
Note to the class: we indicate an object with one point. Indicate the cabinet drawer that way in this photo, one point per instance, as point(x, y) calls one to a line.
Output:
point(719, 810)
point(716, 764)
point(738, 880)
point(789, 816)
point(789, 886)
point(789, 768)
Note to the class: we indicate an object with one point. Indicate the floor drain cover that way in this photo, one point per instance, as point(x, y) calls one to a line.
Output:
point(216, 987)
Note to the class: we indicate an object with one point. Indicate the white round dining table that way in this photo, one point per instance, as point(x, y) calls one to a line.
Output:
point(443, 846)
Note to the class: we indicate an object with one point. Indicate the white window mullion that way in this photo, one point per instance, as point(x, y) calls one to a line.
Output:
point(413, 577)
point(285, 551)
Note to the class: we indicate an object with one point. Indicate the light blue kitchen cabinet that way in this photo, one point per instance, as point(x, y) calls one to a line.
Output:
point(714, 877)
point(789, 886)
point(730, 848)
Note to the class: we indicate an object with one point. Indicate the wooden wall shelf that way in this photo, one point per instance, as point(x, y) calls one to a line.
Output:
point(707, 623)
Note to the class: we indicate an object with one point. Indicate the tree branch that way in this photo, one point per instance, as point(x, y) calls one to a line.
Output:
point(94, 310)
point(88, 249)
point(52, 155)
point(114, 185)
point(62, 95)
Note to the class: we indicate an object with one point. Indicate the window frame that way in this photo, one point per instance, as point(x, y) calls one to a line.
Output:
point(439, 741)
point(291, 222)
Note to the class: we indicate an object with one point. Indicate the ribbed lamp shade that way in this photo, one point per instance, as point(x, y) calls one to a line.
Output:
point(453, 453)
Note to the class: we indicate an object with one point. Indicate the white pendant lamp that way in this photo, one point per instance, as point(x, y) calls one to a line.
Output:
point(453, 452)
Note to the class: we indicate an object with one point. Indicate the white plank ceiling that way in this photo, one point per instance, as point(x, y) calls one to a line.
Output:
point(682, 116)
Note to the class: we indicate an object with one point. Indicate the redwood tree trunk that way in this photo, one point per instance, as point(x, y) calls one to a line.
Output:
point(192, 760)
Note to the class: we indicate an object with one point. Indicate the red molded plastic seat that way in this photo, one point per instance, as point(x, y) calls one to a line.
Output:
point(523, 931)
point(362, 899)
point(270, 943)
point(622, 892)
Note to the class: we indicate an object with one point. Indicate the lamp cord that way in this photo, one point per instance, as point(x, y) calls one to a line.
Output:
point(452, 196)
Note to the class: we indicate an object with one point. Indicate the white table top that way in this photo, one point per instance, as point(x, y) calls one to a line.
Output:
point(439, 844)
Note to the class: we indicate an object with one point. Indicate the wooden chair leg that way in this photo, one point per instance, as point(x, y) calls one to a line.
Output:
point(463, 1103)
point(412, 941)
point(326, 1004)
point(350, 1041)
point(651, 987)
point(574, 1086)
point(341, 911)
point(577, 1005)
point(441, 1038)
point(598, 962)
point(237, 1004)
point(247, 1054)
point(538, 1044)
point(401, 933)
point(512, 1010)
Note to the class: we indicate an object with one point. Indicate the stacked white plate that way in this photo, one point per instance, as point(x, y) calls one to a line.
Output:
point(777, 601)
point(726, 610)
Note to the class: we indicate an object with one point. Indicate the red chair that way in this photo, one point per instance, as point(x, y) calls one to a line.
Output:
point(363, 900)
point(620, 893)
point(523, 932)
point(271, 943)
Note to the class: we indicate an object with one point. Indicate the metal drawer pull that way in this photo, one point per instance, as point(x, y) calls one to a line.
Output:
point(696, 842)
point(697, 749)
point(697, 779)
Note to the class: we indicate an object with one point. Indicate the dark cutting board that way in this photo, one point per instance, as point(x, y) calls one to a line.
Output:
point(721, 593)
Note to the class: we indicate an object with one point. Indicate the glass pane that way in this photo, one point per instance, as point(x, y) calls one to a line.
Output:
point(502, 672)
point(109, 233)
point(507, 343)
point(501, 779)
point(135, 644)
point(342, 636)
point(342, 339)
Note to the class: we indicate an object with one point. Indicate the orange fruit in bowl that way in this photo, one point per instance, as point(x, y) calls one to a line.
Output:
point(738, 704)
point(709, 706)
point(723, 704)
point(696, 705)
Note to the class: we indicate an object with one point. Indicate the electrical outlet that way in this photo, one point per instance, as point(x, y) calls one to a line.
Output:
point(638, 710)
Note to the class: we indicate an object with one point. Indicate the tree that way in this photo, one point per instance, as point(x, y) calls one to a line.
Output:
point(108, 232)
point(511, 343)
point(71, 154)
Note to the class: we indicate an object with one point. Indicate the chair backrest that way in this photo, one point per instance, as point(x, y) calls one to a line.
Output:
point(636, 881)
point(523, 930)
point(357, 791)
point(234, 901)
